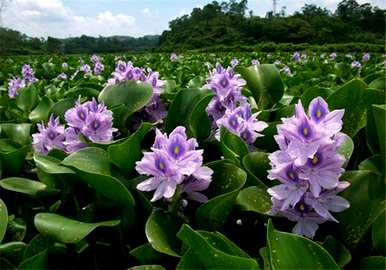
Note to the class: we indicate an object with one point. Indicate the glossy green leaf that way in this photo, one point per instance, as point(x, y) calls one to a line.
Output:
point(227, 181)
point(12, 157)
point(355, 221)
point(378, 83)
point(28, 98)
point(50, 165)
point(379, 112)
point(67, 230)
point(3, 219)
point(37, 244)
point(354, 97)
point(291, 251)
point(210, 255)
point(378, 234)
point(257, 164)
point(255, 199)
point(338, 251)
point(18, 133)
point(264, 82)
point(12, 251)
point(133, 94)
point(125, 154)
point(314, 92)
point(198, 122)
point(60, 107)
point(183, 105)
point(161, 229)
point(146, 254)
point(92, 165)
point(41, 112)
point(25, 186)
point(233, 142)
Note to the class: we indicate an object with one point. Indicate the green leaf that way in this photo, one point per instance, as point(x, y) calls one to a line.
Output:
point(60, 107)
point(233, 142)
point(378, 234)
point(184, 104)
point(346, 149)
point(355, 221)
point(146, 254)
point(338, 251)
point(255, 199)
point(38, 244)
point(38, 261)
point(355, 98)
point(12, 157)
point(12, 251)
point(50, 165)
point(373, 262)
point(257, 164)
point(3, 219)
point(41, 112)
point(198, 121)
point(291, 251)
point(227, 181)
point(66, 230)
point(379, 112)
point(378, 83)
point(161, 229)
point(18, 133)
point(314, 92)
point(265, 83)
point(25, 186)
point(210, 255)
point(92, 165)
point(125, 154)
point(133, 94)
point(28, 98)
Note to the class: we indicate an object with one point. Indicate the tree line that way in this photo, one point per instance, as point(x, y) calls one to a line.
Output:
point(231, 24)
point(225, 25)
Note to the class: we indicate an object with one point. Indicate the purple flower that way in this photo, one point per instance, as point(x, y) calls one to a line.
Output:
point(333, 56)
point(14, 85)
point(93, 120)
point(308, 166)
point(64, 65)
point(49, 137)
point(98, 68)
point(242, 123)
point(234, 62)
point(366, 57)
point(255, 62)
point(28, 74)
point(296, 57)
point(174, 161)
point(356, 65)
point(173, 57)
point(62, 76)
point(286, 70)
point(73, 142)
point(85, 68)
point(227, 87)
point(95, 59)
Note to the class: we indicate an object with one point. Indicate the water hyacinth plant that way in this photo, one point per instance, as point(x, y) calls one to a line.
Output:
point(195, 166)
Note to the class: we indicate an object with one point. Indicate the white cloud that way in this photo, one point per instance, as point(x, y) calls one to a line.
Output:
point(44, 18)
point(146, 12)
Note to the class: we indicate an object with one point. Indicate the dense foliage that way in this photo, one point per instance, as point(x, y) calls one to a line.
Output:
point(227, 23)
point(228, 26)
point(105, 186)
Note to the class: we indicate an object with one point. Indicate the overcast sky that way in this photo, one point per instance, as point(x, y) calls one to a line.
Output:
point(66, 18)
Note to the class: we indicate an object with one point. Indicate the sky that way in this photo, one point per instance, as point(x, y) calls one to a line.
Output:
point(69, 18)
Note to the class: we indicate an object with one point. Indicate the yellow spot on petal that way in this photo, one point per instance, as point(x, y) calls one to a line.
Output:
point(176, 150)
point(161, 165)
point(315, 160)
point(291, 175)
point(301, 207)
point(318, 113)
point(305, 131)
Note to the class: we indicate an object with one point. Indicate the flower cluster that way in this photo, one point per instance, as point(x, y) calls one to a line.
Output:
point(255, 62)
point(308, 166)
point(91, 120)
point(173, 57)
point(333, 56)
point(155, 110)
point(174, 162)
point(242, 123)
point(85, 68)
point(15, 84)
point(98, 66)
point(229, 108)
point(296, 57)
point(356, 65)
point(227, 87)
point(286, 70)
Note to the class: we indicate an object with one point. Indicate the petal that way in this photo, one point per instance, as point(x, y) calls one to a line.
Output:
point(315, 187)
point(149, 184)
point(306, 228)
point(336, 203)
point(196, 196)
